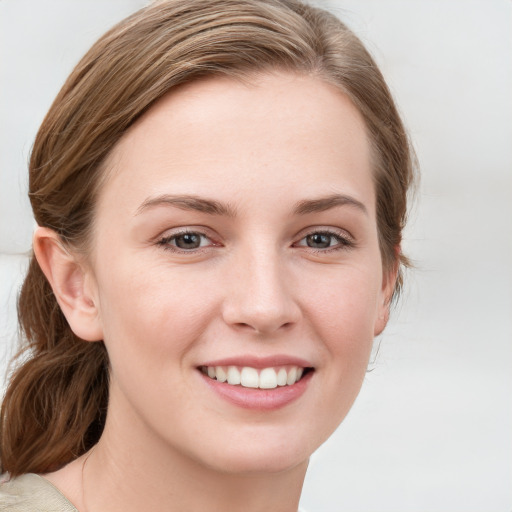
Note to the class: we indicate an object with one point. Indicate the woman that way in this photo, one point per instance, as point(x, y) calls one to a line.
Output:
point(220, 189)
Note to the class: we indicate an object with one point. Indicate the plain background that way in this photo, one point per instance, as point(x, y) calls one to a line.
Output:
point(432, 428)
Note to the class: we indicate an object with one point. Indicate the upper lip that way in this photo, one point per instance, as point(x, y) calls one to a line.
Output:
point(260, 362)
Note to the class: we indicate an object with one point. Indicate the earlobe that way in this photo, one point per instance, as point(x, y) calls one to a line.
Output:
point(71, 284)
point(389, 280)
point(382, 320)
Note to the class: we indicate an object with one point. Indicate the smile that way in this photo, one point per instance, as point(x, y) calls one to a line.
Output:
point(248, 377)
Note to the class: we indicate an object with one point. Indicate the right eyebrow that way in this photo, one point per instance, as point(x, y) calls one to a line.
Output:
point(322, 204)
point(188, 202)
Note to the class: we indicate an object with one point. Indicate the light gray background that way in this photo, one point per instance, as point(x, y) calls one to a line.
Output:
point(432, 428)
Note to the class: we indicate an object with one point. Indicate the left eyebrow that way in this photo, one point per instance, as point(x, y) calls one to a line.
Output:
point(326, 203)
point(188, 202)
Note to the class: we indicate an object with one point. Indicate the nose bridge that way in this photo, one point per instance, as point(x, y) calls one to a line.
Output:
point(260, 296)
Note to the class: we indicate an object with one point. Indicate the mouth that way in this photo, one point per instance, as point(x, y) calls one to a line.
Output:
point(257, 378)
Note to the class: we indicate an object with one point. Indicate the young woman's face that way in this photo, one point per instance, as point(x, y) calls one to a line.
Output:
point(236, 238)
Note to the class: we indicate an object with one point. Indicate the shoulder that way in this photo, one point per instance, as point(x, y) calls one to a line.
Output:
point(31, 493)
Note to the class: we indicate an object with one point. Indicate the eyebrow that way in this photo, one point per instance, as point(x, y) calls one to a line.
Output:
point(188, 202)
point(213, 207)
point(326, 203)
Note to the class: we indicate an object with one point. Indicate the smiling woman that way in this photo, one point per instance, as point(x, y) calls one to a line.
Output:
point(220, 189)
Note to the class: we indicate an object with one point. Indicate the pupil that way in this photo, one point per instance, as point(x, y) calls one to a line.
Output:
point(188, 241)
point(319, 241)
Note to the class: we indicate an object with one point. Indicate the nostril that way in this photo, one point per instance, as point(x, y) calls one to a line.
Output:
point(243, 325)
point(261, 328)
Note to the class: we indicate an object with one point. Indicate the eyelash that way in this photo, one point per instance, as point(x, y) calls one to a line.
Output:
point(166, 242)
point(344, 242)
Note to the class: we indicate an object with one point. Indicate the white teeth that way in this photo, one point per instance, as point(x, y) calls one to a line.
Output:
point(281, 377)
point(249, 377)
point(233, 375)
point(220, 374)
point(266, 378)
point(292, 376)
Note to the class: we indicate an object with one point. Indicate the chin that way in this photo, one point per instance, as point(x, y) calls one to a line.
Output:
point(258, 463)
point(261, 452)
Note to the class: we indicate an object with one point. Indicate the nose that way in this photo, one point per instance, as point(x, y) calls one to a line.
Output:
point(259, 297)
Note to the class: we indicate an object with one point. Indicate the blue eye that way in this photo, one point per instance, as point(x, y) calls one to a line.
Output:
point(188, 241)
point(320, 240)
point(325, 240)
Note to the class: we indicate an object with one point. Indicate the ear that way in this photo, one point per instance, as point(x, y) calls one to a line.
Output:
point(72, 285)
point(389, 278)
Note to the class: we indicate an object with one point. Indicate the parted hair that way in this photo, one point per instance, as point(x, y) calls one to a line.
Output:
point(56, 401)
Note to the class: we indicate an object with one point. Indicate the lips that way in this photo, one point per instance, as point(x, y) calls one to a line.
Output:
point(258, 383)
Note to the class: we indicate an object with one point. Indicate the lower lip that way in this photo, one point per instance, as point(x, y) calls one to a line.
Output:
point(259, 399)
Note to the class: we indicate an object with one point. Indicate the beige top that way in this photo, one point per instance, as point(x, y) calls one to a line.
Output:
point(31, 493)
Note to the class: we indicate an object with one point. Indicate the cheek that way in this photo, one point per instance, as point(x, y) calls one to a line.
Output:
point(149, 313)
point(343, 306)
point(342, 312)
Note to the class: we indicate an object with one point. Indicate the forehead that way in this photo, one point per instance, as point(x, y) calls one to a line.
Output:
point(278, 131)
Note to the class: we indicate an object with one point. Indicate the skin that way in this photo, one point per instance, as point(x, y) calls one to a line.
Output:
point(254, 287)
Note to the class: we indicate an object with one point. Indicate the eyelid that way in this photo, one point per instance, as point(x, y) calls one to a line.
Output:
point(347, 241)
point(164, 239)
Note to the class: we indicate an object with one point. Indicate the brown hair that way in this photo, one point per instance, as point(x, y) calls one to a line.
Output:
point(55, 405)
